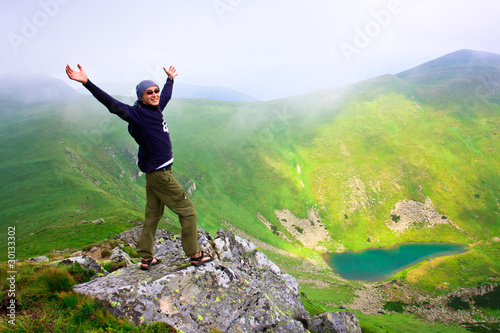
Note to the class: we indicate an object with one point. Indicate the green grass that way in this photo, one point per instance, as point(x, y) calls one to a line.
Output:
point(395, 323)
point(45, 302)
point(375, 145)
point(46, 195)
point(476, 267)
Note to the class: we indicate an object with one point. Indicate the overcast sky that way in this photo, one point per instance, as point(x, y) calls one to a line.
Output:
point(266, 48)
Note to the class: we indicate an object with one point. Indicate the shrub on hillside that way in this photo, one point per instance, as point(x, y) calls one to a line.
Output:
point(394, 306)
point(76, 270)
point(489, 300)
point(54, 280)
point(457, 303)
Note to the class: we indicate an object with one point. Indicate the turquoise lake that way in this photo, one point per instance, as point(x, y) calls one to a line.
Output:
point(382, 263)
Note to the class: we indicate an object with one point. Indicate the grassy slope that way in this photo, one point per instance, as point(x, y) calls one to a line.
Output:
point(360, 149)
point(44, 186)
point(382, 148)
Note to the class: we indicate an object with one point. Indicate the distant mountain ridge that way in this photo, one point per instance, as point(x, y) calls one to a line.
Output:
point(181, 90)
point(29, 87)
point(33, 87)
point(453, 63)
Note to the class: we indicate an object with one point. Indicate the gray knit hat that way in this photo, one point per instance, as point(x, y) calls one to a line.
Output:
point(142, 86)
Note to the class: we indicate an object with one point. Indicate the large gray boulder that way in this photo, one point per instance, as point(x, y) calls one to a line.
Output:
point(240, 291)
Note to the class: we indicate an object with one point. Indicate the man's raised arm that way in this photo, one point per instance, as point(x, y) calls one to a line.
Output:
point(113, 105)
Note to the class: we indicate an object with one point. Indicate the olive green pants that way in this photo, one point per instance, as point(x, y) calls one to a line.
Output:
point(163, 190)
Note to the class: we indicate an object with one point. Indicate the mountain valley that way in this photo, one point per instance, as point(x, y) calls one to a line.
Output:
point(411, 157)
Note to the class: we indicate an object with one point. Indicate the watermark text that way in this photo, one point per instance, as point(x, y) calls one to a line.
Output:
point(11, 275)
point(365, 35)
point(30, 27)
point(224, 7)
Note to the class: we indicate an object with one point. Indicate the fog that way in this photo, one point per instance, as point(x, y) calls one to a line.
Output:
point(267, 49)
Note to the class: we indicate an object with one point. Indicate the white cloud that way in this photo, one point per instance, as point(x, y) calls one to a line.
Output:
point(245, 43)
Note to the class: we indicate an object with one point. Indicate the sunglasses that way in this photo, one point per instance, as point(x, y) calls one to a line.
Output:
point(150, 92)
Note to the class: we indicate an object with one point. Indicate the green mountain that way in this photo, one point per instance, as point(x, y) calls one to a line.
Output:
point(322, 172)
point(454, 65)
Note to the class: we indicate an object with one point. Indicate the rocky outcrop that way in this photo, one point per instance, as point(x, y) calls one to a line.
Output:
point(41, 259)
point(310, 232)
point(408, 214)
point(120, 258)
point(95, 221)
point(469, 293)
point(88, 263)
point(343, 321)
point(240, 291)
point(190, 187)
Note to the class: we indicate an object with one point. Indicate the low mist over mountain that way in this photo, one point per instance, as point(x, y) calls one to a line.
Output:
point(411, 157)
point(181, 90)
point(33, 87)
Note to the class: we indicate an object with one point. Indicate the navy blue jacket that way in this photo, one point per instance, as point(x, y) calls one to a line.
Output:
point(146, 125)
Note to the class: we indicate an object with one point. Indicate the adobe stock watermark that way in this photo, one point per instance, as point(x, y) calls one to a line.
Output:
point(31, 26)
point(217, 178)
point(95, 137)
point(90, 138)
point(223, 7)
point(156, 74)
point(11, 275)
point(364, 36)
point(277, 125)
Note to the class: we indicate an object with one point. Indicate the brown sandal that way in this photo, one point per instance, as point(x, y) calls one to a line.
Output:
point(202, 259)
point(149, 262)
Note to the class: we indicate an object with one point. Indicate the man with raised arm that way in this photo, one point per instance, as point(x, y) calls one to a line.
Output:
point(149, 129)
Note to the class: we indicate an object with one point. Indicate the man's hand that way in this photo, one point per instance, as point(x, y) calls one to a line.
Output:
point(170, 72)
point(80, 76)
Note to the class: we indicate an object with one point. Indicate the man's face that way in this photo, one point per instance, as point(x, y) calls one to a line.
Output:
point(151, 96)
